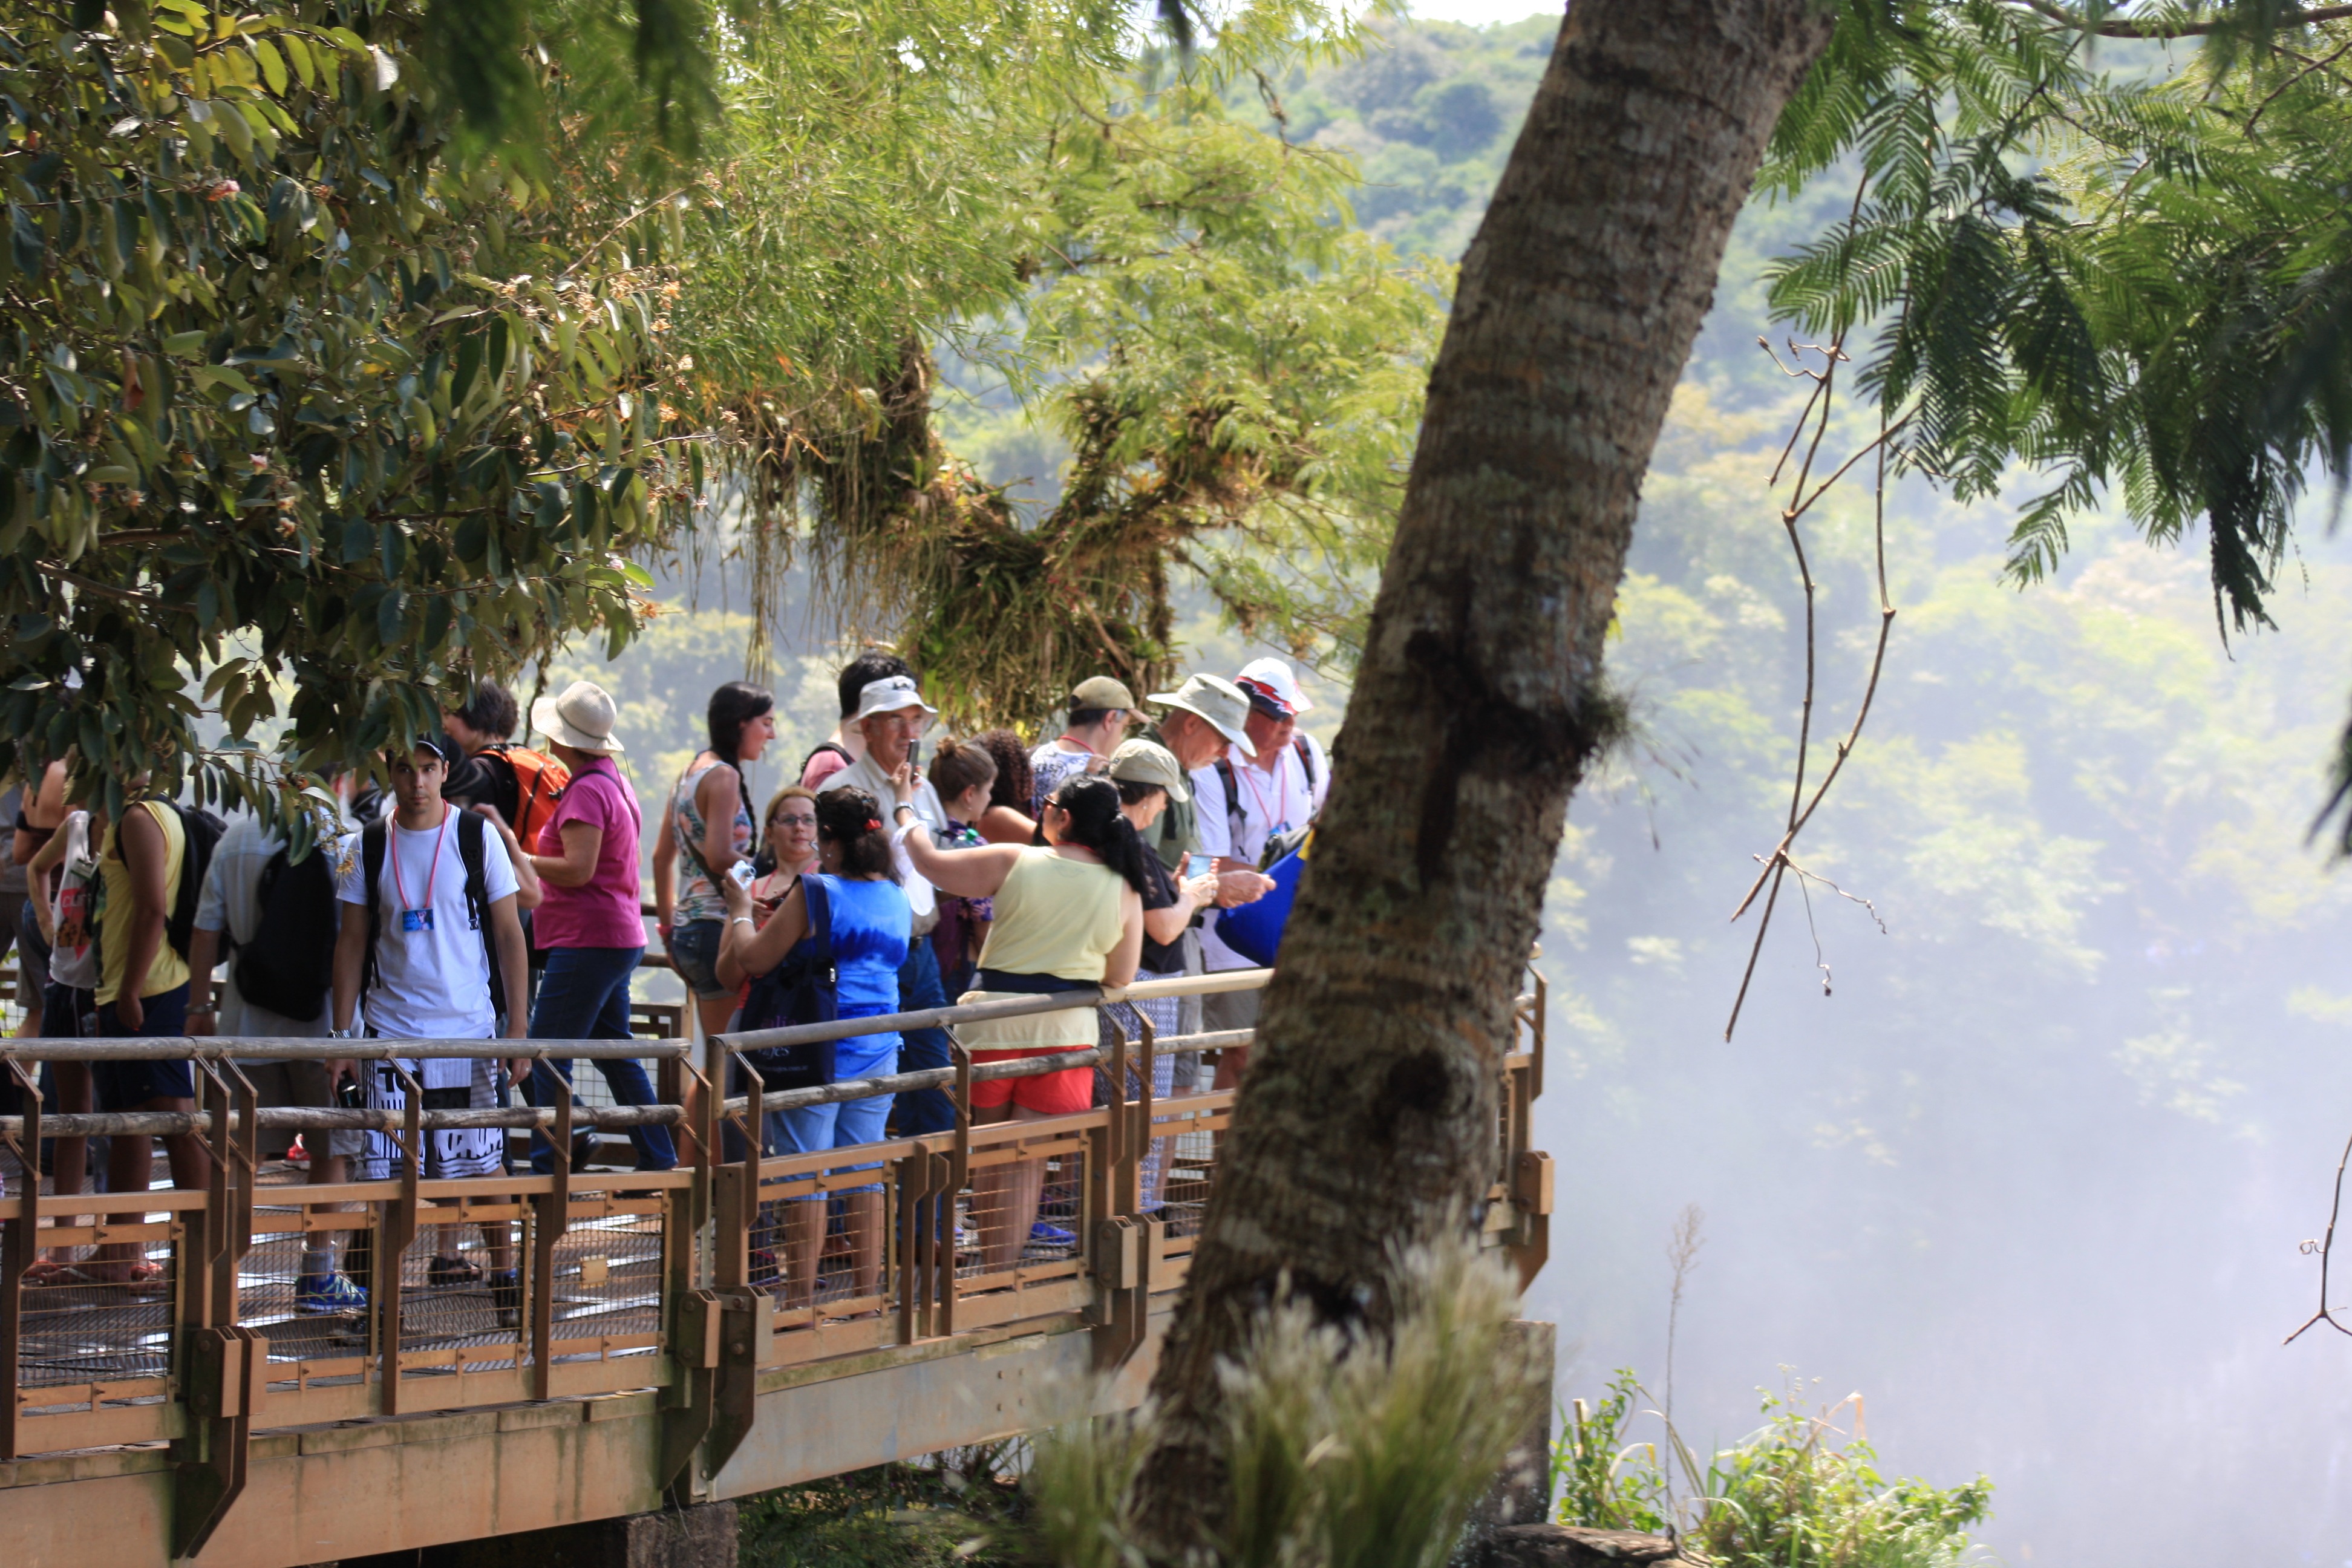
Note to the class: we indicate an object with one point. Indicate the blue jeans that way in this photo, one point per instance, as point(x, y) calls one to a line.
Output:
point(583, 995)
point(920, 1111)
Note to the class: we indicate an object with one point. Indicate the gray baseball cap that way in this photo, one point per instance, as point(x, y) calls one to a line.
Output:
point(1147, 762)
point(1216, 700)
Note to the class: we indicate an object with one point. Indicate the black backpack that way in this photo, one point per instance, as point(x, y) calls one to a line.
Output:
point(803, 988)
point(473, 834)
point(204, 831)
point(288, 966)
point(1235, 818)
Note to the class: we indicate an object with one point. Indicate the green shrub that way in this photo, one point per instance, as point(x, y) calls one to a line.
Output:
point(1342, 1452)
point(1785, 1497)
point(943, 1514)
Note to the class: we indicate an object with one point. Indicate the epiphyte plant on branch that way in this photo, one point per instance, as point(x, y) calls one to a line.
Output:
point(1177, 295)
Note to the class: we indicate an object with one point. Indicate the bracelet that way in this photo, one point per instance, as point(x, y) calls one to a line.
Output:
point(204, 1009)
point(740, 921)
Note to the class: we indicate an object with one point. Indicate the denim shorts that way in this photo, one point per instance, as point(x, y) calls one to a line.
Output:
point(128, 1085)
point(694, 952)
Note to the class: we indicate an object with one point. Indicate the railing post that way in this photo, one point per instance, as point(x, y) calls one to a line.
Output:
point(554, 1217)
point(395, 1230)
point(919, 1227)
point(1120, 1237)
point(17, 1244)
point(959, 1172)
point(226, 1363)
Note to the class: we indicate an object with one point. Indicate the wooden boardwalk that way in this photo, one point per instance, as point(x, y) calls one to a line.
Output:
point(659, 1350)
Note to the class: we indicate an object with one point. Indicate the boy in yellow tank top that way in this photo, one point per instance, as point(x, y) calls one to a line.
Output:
point(142, 990)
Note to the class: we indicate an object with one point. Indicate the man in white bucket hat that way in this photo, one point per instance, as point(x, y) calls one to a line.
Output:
point(891, 715)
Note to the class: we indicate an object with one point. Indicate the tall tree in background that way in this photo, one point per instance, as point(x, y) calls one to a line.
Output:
point(1366, 1122)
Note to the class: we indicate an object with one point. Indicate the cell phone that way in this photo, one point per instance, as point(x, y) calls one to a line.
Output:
point(1196, 865)
point(348, 1096)
point(741, 872)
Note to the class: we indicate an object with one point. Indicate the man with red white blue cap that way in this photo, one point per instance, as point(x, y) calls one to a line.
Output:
point(1245, 802)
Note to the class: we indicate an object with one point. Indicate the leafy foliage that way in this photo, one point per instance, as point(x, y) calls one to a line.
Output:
point(1784, 1496)
point(2135, 281)
point(290, 398)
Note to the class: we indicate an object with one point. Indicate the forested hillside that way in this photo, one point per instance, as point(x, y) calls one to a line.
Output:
point(2087, 1082)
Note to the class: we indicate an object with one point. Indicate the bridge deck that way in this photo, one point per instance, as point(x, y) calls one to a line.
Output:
point(662, 1348)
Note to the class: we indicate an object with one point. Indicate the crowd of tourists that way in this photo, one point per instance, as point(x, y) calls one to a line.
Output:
point(490, 890)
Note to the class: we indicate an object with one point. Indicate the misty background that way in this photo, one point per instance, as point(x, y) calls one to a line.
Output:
point(2033, 1178)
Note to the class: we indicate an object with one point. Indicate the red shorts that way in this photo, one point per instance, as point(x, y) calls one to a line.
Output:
point(1047, 1094)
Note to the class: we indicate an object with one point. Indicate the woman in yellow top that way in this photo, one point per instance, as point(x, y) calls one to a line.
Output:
point(1069, 914)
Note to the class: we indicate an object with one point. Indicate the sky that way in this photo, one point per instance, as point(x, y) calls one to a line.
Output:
point(1477, 12)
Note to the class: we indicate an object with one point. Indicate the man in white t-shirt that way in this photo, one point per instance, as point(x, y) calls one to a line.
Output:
point(1242, 802)
point(431, 892)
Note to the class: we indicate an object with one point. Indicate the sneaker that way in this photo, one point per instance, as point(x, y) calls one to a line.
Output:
point(505, 1295)
point(1044, 1235)
point(324, 1293)
point(452, 1273)
point(298, 1156)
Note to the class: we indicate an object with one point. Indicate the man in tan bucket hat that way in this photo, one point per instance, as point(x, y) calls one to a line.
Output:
point(1207, 717)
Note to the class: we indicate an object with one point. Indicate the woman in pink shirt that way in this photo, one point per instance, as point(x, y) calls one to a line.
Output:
point(591, 926)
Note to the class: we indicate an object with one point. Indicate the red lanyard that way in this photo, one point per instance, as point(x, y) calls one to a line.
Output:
point(1281, 792)
point(400, 891)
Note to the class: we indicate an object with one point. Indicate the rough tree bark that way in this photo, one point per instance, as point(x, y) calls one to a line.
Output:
point(1369, 1116)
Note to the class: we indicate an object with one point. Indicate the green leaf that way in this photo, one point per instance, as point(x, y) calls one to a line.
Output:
point(391, 614)
point(217, 375)
point(273, 64)
point(26, 247)
point(299, 51)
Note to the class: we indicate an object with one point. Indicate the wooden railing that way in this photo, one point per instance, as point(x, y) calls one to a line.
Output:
point(694, 1281)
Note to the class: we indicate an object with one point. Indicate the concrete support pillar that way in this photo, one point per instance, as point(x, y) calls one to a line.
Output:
point(702, 1536)
point(1522, 1493)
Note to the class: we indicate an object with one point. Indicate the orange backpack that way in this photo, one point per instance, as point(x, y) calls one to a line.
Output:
point(540, 781)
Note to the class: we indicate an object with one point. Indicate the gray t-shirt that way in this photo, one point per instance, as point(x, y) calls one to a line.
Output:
point(12, 876)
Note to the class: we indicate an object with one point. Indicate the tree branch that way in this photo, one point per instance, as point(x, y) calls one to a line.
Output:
point(2135, 29)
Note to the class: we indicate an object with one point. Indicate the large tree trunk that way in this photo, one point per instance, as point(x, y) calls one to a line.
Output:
point(1368, 1118)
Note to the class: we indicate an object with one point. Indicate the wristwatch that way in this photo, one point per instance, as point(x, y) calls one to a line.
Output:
point(342, 1035)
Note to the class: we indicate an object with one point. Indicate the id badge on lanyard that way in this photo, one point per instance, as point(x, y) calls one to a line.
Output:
point(419, 919)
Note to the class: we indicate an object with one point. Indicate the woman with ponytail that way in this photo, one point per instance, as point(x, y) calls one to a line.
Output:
point(707, 829)
point(1068, 915)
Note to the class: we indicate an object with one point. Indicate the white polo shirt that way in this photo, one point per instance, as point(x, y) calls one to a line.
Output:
point(1271, 803)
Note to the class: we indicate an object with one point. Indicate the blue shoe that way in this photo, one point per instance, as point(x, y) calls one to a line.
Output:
point(1044, 1235)
point(323, 1293)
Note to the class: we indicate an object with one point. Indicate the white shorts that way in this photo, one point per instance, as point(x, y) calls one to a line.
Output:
point(448, 1156)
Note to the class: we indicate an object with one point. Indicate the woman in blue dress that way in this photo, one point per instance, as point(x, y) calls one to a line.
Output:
point(870, 925)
